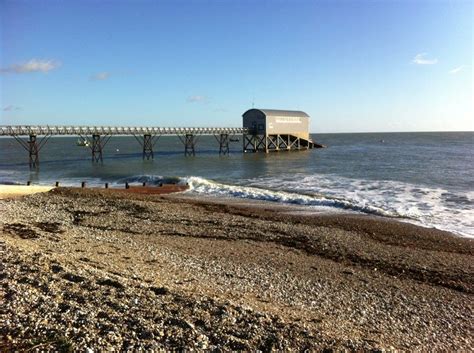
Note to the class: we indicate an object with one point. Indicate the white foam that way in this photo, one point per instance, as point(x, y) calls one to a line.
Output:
point(413, 203)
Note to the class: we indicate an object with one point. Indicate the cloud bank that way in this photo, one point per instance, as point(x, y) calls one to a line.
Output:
point(420, 59)
point(33, 65)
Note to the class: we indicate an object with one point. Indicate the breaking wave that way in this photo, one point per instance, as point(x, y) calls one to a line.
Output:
point(429, 207)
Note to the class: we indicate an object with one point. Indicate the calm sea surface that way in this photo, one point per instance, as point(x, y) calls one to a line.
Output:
point(424, 178)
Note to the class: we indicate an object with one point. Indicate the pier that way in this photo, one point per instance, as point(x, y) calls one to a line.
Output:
point(97, 137)
point(264, 130)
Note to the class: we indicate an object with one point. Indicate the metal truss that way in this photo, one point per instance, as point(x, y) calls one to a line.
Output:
point(279, 142)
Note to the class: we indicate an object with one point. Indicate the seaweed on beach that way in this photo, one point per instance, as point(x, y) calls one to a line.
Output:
point(50, 227)
point(21, 230)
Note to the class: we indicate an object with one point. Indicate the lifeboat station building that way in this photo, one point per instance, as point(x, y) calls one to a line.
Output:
point(276, 130)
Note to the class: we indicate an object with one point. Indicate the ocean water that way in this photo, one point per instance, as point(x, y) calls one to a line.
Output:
point(423, 178)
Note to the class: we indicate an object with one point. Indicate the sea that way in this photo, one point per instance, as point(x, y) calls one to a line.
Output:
point(426, 178)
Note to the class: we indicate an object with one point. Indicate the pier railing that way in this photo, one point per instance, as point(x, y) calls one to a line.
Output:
point(27, 130)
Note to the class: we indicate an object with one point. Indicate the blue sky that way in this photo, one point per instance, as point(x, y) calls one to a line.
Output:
point(354, 66)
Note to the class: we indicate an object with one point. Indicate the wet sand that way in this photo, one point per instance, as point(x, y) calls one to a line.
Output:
point(103, 269)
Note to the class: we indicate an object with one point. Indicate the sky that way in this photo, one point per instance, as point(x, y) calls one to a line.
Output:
point(353, 66)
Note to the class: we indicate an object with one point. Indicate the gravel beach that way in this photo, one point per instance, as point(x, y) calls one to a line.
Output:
point(103, 270)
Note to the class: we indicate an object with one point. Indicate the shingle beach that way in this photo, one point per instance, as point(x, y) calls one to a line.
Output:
point(101, 270)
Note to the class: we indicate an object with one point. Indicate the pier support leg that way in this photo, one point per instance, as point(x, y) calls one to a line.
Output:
point(255, 143)
point(96, 149)
point(147, 142)
point(249, 143)
point(33, 146)
point(223, 144)
point(189, 144)
point(33, 151)
point(147, 147)
point(282, 142)
point(97, 146)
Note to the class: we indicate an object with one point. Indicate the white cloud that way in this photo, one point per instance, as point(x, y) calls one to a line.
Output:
point(10, 108)
point(195, 99)
point(457, 69)
point(33, 65)
point(100, 76)
point(421, 59)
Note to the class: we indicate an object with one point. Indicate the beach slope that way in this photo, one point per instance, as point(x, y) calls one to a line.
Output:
point(100, 269)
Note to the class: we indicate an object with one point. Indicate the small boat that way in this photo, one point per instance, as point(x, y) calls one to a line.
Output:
point(82, 143)
point(234, 140)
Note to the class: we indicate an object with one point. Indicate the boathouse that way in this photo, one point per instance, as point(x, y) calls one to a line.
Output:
point(276, 130)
